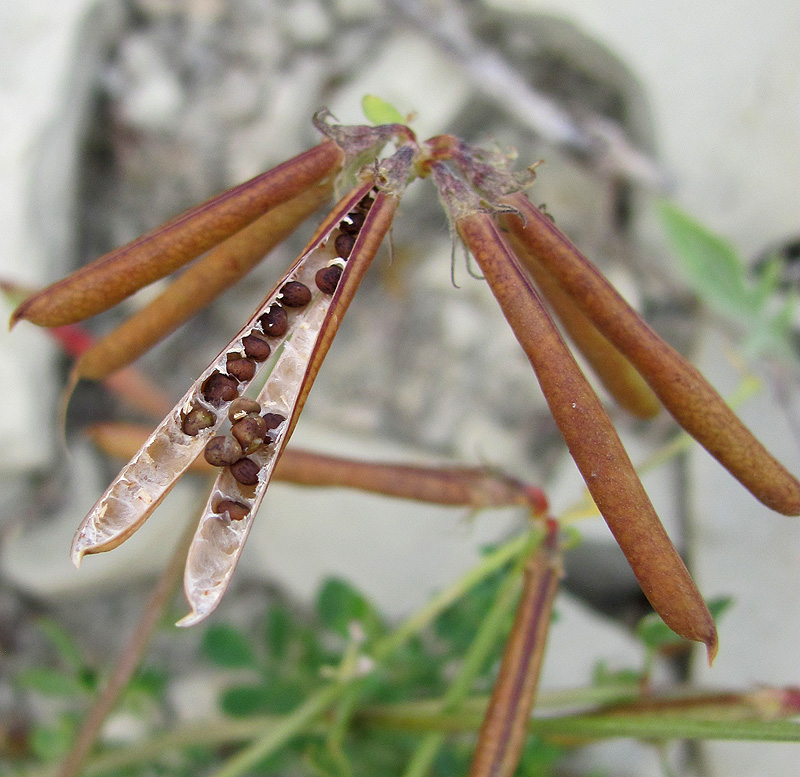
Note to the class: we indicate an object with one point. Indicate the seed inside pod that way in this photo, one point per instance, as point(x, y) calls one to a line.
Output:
point(344, 244)
point(327, 278)
point(196, 420)
point(275, 322)
point(295, 294)
point(243, 369)
point(236, 510)
point(256, 347)
point(273, 422)
point(222, 450)
point(245, 471)
point(353, 222)
point(250, 432)
point(242, 406)
point(365, 203)
point(219, 388)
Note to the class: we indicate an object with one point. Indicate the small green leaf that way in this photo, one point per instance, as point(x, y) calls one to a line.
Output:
point(278, 631)
point(51, 743)
point(228, 647)
point(339, 603)
point(50, 682)
point(378, 111)
point(276, 697)
point(711, 264)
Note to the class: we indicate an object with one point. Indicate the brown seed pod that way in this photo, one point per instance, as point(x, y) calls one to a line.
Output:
point(236, 510)
point(241, 407)
point(327, 278)
point(256, 347)
point(222, 450)
point(219, 388)
point(245, 471)
point(343, 244)
point(275, 322)
point(243, 369)
point(591, 438)
point(112, 277)
point(196, 420)
point(250, 432)
point(295, 294)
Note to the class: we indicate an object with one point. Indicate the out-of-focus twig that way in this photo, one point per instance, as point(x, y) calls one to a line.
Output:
point(595, 137)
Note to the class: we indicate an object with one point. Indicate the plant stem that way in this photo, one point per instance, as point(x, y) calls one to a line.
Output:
point(472, 664)
point(130, 658)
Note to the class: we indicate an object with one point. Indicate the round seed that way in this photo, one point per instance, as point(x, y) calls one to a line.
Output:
point(241, 369)
point(256, 347)
point(196, 420)
point(353, 222)
point(327, 278)
point(236, 510)
point(245, 471)
point(344, 244)
point(222, 450)
point(250, 432)
point(365, 203)
point(273, 420)
point(295, 294)
point(275, 322)
point(242, 406)
point(219, 388)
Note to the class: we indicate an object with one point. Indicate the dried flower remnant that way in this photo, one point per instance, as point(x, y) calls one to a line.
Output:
point(291, 332)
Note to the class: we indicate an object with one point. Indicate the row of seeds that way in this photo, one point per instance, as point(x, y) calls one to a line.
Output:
point(250, 427)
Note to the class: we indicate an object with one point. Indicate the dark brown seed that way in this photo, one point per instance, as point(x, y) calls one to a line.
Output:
point(236, 510)
point(295, 294)
point(327, 278)
point(275, 322)
point(273, 420)
point(256, 347)
point(356, 220)
point(222, 450)
point(196, 420)
point(219, 388)
point(344, 244)
point(250, 432)
point(241, 407)
point(245, 471)
point(241, 369)
point(365, 203)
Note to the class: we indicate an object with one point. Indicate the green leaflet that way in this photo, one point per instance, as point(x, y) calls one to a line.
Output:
point(378, 111)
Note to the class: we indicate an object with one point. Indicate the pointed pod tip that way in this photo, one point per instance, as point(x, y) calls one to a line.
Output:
point(192, 619)
point(76, 554)
point(712, 644)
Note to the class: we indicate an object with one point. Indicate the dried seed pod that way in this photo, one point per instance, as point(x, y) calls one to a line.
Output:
point(256, 347)
point(219, 388)
point(327, 278)
point(245, 471)
point(220, 451)
point(295, 294)
point(686, 394)
point(236, 510)
point(112, 277)
point(250, 432)
point(169, 451)
point(196, 420)
point(242, 406)
point(587, 430)
point(243, 369)
point(275, 322)
point(343, 244)
point(215, 550)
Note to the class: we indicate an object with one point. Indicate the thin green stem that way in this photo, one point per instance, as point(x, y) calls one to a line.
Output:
point(474, 661)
